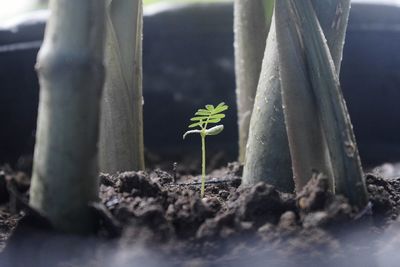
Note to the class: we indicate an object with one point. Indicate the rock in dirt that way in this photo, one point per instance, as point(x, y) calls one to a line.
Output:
point(336, 214)
point(319, 208)
point(222, 226)
point(288, 221)
point(187, 213)
point(137, 184)
point(315, 195)
point(261, 204)
point(162, 177)
point(384, 197)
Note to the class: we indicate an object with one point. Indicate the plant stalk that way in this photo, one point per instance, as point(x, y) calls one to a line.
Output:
point(268, 156)
point(344, 156)
point(267, 153)
point(251, 22)
point(203, 164)
point(305, 135)
point(71, 76)
point(121, 133)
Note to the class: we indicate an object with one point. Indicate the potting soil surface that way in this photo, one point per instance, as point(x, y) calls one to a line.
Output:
point(157, 218)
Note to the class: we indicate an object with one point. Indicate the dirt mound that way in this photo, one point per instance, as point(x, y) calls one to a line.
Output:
point(166, 214)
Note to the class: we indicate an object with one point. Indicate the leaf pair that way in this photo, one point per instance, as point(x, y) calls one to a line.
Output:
point(208, 115)
point(212, 131)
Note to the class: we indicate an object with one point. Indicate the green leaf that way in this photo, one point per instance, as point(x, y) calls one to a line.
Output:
point(214, 120)
point(195, 124)
point(202, 113)
point(209, 115)
point(215, 130)
point(210, 107)
point(217, 116)
point(191, 132)
point(220, 105)
point(199, 118)
point(220, 109)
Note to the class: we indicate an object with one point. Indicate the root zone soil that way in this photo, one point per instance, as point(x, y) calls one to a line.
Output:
point(157, 218)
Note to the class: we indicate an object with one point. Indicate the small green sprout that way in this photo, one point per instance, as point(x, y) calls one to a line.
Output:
point(201, 119)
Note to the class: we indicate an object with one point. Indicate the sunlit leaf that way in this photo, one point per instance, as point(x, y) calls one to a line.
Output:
point(195, 124)
point(220, 105)
point(202, 113)
point(210, 107)
point(210, 115)
point(215, 130)
point(220, 109)
point(213, 120)
point(198, 118)
point(217, 116)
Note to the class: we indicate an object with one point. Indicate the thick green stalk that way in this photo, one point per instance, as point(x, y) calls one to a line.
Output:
point(306, 140)
point(333, 16)
point(71, 75)
point(203, 164)
point(121, 133)
point(332, 109)
point(250, 23)
point(267, 154)
point(268, 157)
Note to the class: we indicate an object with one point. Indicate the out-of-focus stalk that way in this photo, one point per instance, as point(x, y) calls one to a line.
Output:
point(121, 135)
point(71, 74)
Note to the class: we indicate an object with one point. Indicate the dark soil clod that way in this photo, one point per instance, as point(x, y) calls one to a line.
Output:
point(261, 204)
point(137, 184)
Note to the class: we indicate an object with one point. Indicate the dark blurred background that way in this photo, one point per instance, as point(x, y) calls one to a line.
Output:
point(188, 62)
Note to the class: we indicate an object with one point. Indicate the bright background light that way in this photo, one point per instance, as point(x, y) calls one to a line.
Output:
point(9, 8)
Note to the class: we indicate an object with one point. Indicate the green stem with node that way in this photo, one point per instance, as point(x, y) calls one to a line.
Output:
point(203, 162)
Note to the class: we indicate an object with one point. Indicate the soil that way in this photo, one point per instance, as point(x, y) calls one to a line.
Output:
point(157, 218)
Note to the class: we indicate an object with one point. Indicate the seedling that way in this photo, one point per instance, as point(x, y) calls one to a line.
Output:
point(201, 119)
